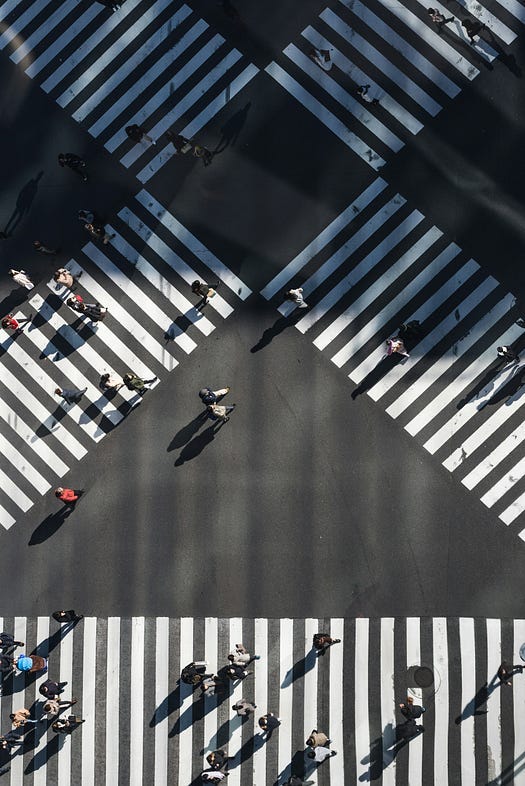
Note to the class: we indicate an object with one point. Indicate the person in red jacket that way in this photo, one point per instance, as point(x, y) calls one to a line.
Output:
point(10, 323)
point(68, 496)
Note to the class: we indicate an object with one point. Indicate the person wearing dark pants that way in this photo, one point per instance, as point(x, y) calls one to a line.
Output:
point(74, 162)
point(7, 641)
point(438, 19)
point(67, 616)
point(70, 396)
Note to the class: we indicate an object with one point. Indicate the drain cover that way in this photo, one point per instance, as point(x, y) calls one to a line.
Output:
point(423, 677)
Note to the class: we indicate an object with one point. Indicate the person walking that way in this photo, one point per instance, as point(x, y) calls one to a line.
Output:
point(98, 232)
point(110, 382)
point(21, 717)
point(137, 134)
point(320, 754)
point(63, 278)
point(10, 323)
point(362, 92)
point(51, 689)
point(31, 663)
point(66, 726)
point(296, 296)
point(21, 277)
point(133, 382)
point(74, 162)
point(193, 673)
point(212, 685)
point(8, 642)
point(268, 723)
point(213, 776)
point(408, 730)
point(410, 710)
point(438, 19)
point(472, 28)
point(68, 496)
point(209, 396)
point(67, 616)
point(508, 354)
point(53, 706)
point(199, 151)
point(317, 738)
point(235, 672)
point(219, 412)
point(42, 249)
point(244, 708)
point(241, 657)
point(205, 292)
point(6, 663)
point(506, 672)
point(180, 143)
point(76, 302)
point(218, 760)
point(95, 311)
point(9, 740)
point(396, 344)
point(321, 642)
point(70, 395)
point(321, 57)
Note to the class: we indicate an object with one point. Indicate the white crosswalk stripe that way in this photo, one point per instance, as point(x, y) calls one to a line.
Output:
point(410, 74)
point(172, 56)
point(370, 272)
point(152, 325)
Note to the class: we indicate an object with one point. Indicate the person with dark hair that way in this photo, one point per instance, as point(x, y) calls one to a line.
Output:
point(180, 143)
point(296, 296)
point(53, 706)
point(506, 672)
point(98, 232)
point(135, 383)
point(268, 723)
point(51, 689)
point(63, 278)
point(137, 134)
point(411, 710)
point(42, 249)
point(110, 382)
point(67, 616)
point(472, 27)
point(20, 717)
point(240, 655)
point(7, 641)
point(76, 302)
point(10, 323)
point(218, 760)
point(438, 19)
point(193, 673)
point(362, 92)
point(322, 641)
point(74, 162)
point(244, 708)
point(317, 738)
point(209, 396)
point(63, 726)
point(95, 311)
point(204, 291)
point(70, 396)
point(507, 354)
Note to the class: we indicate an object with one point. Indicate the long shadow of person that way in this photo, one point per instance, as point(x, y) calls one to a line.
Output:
point(43, 756)
point(171, 703)
point(200, 707)
point(49, 644)
point(383, 367)
point(300, 668)
point(197, 445)
point(49, 526)
point(278, 326)
point(23, 204)
point(474, 706)
point(232, 128)
point(508, 60)
point(223, 734)
point(183, 436)
point(375, 760)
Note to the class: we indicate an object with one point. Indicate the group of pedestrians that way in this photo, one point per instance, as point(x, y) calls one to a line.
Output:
point(235, 670)
point(51, 705)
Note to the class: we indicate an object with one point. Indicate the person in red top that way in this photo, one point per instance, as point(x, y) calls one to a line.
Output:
point(68, 496)
point(10, 323)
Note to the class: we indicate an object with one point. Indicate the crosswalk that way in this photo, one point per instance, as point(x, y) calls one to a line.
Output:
point(154, 64)
point(381, 264)
point(143, 277)
point(142, 726)
point(394, 48)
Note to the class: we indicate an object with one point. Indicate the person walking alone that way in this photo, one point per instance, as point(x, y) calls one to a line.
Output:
point(67, 616)
point(71, 396)
point(205, 291)
point(268, 723)
point(244, 708)
point(53, 706)
point(74, 162)
point(21, 277)
point(296, 296)
point(137, 134)
point(321, 642)
point(10, 323)
point(410, 710)
point(42, 249)
point(68, 496)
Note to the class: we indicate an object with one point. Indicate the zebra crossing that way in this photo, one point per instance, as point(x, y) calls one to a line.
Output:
point(143, 277)
point(142, 726)
point(381, 264)
point(100, 67)
point(395, 49)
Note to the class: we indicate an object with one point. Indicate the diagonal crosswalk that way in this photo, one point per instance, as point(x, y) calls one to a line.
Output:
point(143, 725)
point(100, 66)
point(410, 67)
point(381, 264)
point(152, 325)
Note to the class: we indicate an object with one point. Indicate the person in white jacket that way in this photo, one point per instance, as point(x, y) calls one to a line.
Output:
point(21, 277)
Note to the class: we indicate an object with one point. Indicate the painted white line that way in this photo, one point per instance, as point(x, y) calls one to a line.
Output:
point(260, 698)
point(21, 464)
point(40, 774)
point(6, 520)
point(28, 44)
point(235, 728)
point(337, 679)
point(441, 699)
point(14, 492)
point(89, 688)
point(323, 238)
point(505, 484)
point(66, 675)
point(388, 699)
point(136, 710)
point(481, 46)
point(492, 22)
point(513, 511)
point(112, 701)
point(515, 8)
point(468, 691)
point(211, 720)
point(372, 55)
point(285, 711)
point(162, 660)
point(415, 749)
point(18, 701)
point(518, 691)
point(184, 737)
point(15, 30)
point(361, 701)
point(495, 457)
point(309, 688)
point(60, 43)
point(494, 700)
point(319, 111)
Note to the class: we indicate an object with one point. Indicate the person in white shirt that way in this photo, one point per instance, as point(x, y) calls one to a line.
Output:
point(21, 277)
point(322, 58)
point(296, 296)
point(321, 753)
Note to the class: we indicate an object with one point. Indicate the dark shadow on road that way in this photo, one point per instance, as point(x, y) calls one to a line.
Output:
point(42, 757)
point(476, 703)
point(300, 668)
point(197, 445)
point(385, 365)
point(198, 710)
point(23, 204)
point(49, 526)
point(232, 128)
point(170, 704)
point(278, 327)
point(183, 436)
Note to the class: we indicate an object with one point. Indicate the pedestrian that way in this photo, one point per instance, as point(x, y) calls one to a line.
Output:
point(472, 27)
point(219, 412)
point(396, 344)
point(296, 296)
point(295, 780)
point(204, 291)
point(10, 323)
point(268, 723)
point(6, 663)
point(74, 162)
point(51, 689)
point(133, 382)
point(241, 657)
point(317, 738)
point(31, 663)
point(67, 616)
point(70, 396)
point(21, 277)
point(321, 642)
point(320, 754)
point(137, 134)
point(199, 151)
point(506, 671)
point(508, 354)
point(68, 496)
point(410, 330)
point(94, 311)
point(213, 776)
point(411, 710)
point(362, 92)
point(110, 382)
point(88, 217)
point(244, 708)
point(9, 740)
point(235, 672)
point(98, 232)
point(218, 760)
point(212, 685)
point(111, 4)
point(193, 673)
point(76, 302)
point(209, 396)
point(63, 278)
point(19, 718)
point(42, 249)
point(408, 730)
point(53, 706)
point(7, 641)
point(438, 19)
point(63, 726)
point(180, 143)
point(322, 58)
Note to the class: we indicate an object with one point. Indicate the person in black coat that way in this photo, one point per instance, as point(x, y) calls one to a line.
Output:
point(411, 710)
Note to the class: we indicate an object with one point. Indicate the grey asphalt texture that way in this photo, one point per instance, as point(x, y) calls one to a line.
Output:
point(306, 503)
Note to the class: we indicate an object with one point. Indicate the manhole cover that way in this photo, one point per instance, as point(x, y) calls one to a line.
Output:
point(423, 677)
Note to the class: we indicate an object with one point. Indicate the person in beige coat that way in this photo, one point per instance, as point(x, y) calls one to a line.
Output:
point(219, 412)
point(317, 738)
point(53, 706)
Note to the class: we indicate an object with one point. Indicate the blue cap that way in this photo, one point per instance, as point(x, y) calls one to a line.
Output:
point(24, 663)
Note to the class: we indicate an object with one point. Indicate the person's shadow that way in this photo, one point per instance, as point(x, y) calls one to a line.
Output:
point(377, 373)
point(474, 706)
point(300, 668)
point(171, 703)
point(50, 525)
point(232, 128)
point(278, 327)
point(43, 756)
point(23, 204)
point(183, 436)
point(197, 445)
point(375, 760)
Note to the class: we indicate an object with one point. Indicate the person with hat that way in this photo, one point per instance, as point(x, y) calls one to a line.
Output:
point(209, 396)
point(32, 663)
point(244, 708)
point(51, 689)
